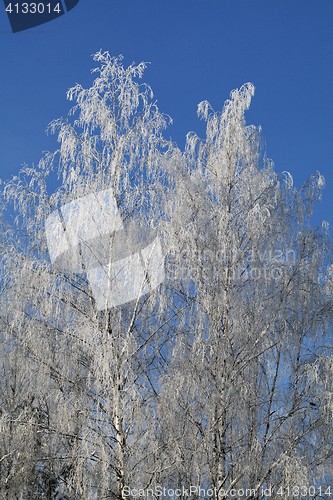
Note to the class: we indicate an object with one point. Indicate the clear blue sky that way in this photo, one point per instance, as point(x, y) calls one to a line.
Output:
point(198, 50)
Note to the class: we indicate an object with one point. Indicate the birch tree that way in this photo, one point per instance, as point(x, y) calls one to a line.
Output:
point(247, 410)
point(93, 352)
point(167, 314)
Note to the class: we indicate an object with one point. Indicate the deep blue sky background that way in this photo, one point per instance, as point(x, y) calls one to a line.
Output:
point(199, 50)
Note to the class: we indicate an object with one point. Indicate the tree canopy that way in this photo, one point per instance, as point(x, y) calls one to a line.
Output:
point(166, 316)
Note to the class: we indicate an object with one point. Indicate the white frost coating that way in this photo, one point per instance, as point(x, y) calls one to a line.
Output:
point(55, 235)
point(288, 179)
point(321, 181)
point(152, 255)
point(84, 222)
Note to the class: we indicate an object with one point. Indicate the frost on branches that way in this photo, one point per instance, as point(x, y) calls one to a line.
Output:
point(166, 316)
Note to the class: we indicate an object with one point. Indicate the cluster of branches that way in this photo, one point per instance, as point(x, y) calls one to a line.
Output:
point(220, 378)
